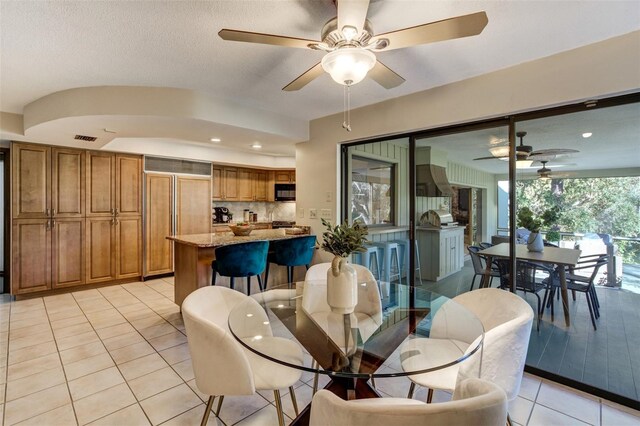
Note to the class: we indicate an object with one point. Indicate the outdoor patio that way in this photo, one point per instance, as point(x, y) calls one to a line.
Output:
point(607, 358)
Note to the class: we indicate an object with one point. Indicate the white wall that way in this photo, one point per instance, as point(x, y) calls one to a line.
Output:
point(599, 70)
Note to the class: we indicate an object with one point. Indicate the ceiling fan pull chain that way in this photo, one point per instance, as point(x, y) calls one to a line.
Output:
point(346, 124)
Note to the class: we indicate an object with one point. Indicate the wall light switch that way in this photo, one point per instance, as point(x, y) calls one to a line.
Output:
point(313, 213)
point(325, 214)
point(300, 213)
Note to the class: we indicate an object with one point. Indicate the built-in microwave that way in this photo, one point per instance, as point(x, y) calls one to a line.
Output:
point(285, 191)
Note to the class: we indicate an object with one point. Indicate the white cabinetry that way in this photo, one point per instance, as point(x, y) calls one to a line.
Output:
point(441, 251)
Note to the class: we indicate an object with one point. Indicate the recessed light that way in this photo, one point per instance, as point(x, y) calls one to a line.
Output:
point(587, 135)
point(256, 145)
point(216, 140)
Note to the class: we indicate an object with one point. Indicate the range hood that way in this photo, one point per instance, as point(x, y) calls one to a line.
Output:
point(431, 181)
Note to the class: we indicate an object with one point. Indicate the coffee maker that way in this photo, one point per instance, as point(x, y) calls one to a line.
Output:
point(221, 215)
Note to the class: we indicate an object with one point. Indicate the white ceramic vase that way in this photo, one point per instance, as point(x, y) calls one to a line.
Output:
point(342, 286)
point(535, 243)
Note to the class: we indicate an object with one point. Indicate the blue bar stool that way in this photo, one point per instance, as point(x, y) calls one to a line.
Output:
point(241, 260)
point(372, 254)
point(404, 257)
point(290, 253)
point(390, 251)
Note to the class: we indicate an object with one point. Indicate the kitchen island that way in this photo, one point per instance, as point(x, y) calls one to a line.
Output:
point(194, 253)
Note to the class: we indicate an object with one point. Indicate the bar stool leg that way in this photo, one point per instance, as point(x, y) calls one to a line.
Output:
point(261, 285)
point(266, 275)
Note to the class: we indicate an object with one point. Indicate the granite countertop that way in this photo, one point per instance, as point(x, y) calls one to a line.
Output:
point(225, 238)
point(260, 222)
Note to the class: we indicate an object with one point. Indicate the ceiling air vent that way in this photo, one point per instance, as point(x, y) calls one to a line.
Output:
point(85, 138)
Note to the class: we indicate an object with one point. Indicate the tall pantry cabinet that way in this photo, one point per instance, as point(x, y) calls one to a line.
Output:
point(114, 216)
point(58, 196)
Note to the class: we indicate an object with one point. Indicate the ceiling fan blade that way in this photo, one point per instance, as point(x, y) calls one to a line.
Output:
point(352, 13)
point(385, 76)
point(447, 29)
point(276, 40)
point(547, 152)
point(305, 78)
point(490, 158)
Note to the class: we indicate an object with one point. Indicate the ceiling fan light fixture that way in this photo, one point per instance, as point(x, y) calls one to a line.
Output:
point(523, 164)
point(348, 65)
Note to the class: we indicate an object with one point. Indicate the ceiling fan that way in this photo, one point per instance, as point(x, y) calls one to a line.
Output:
point(526, 152)
point(544, 173)
point(349, 41)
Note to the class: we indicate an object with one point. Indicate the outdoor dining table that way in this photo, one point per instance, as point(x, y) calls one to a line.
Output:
point(351, 349)
point(561, 257)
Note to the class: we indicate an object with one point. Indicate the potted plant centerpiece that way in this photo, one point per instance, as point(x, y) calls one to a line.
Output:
point(342, 280)
point(526, 219)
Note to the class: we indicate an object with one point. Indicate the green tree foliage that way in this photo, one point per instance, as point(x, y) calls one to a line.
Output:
point(598, 205)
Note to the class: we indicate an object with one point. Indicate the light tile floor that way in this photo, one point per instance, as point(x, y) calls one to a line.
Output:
point(118, 356)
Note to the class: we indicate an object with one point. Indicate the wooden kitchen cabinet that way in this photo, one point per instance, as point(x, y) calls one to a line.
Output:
point(113, 248)
point(128, 185)
point(68, 206)
point(67, 183)
point(158, 224)
point(48, 183)
point(285, 176)
point(261, 185)
point(441, 252)
point(114, 216)
point(193, 205)
point(67, 249)
point(114, 184)
point(216, 182)
point(239, 184)
point(128, 246)
point(101, 184)
point(30, 256)
point(245, 185)
point(100, 249)
point(31, 181)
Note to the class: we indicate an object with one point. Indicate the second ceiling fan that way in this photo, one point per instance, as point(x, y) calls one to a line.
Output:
point(526, 152)
point(349, 41)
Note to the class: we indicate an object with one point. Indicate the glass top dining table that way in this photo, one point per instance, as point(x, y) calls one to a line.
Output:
point(355, 345)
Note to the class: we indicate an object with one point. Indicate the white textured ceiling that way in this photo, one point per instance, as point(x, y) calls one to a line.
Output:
point(48, 46)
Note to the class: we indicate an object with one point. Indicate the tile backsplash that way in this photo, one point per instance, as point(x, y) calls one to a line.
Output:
point(266, 211)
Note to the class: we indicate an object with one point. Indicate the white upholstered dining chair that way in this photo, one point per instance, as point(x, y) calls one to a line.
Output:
point(475, 402)
point(507, 320)
point(366, 317)
point(222, 366)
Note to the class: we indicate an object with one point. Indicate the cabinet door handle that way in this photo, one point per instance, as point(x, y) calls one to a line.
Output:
point(117, 212)
point(53, 223)
point(53, 212)
point(113, 212)
point(48, 212)
point(47, 225)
